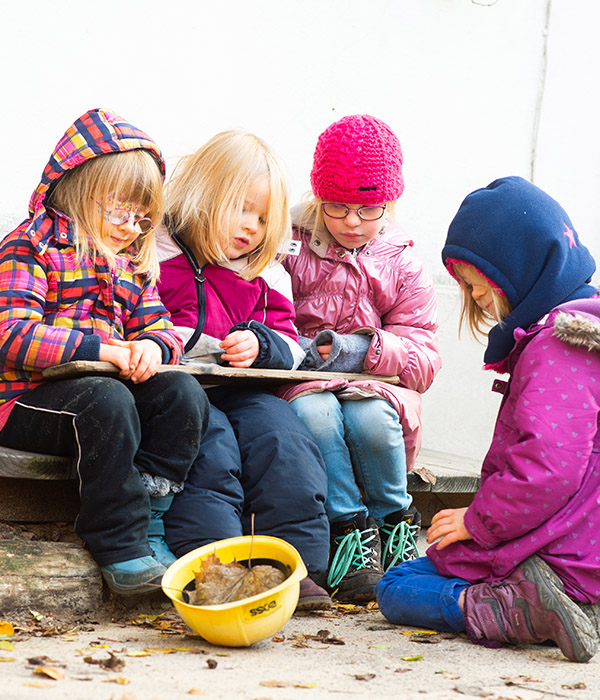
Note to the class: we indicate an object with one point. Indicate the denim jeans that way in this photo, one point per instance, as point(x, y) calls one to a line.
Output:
point(416, 594)
point(363, 447)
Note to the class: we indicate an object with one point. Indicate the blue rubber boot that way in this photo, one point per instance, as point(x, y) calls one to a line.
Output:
point(134, 576)
point(159, 505)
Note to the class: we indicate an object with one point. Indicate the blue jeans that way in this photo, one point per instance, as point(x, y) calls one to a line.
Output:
point(363, 447)
point(416, 594)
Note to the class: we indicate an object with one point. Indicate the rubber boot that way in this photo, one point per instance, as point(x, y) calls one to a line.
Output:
point(156, 529)
point(529, 607)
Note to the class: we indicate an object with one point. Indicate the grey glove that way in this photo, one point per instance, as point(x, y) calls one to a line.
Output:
point(347, 354)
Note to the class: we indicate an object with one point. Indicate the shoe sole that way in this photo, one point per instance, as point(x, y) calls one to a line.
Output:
point(315, 603)
point(581, 636)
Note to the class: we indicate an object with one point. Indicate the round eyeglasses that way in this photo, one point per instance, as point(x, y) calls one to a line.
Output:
point(341, 211)
point(121, 214)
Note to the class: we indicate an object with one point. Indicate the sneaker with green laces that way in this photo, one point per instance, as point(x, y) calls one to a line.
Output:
point(355, 567)
point(399, 534)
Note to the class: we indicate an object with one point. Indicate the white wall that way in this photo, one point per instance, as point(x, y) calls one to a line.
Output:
point(457, 81)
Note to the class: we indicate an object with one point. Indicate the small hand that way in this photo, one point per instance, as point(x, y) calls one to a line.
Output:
point(324, 351)
point(241, 348)
point(448, 526)
point(145, 357)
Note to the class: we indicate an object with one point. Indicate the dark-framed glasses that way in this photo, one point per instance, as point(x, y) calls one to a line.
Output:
point(341, 211)
point(119, 214)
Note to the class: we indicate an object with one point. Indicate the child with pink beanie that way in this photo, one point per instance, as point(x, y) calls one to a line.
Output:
point(363, 303)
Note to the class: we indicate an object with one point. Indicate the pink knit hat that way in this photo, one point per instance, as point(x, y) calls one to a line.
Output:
point(358, 159)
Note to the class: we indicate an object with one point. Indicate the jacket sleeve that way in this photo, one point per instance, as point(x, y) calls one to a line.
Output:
point(150, 319)
point(406, 344)
point(542, 444)
point(26, 342)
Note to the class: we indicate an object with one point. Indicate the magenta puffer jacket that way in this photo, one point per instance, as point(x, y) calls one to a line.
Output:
point(540, 480)
point(383, 290)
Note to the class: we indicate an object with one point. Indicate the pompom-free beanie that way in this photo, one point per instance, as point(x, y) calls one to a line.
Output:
point(358, 160)
point(524, 242)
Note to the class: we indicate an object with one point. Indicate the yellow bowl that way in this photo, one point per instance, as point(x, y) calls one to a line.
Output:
point(246, 621)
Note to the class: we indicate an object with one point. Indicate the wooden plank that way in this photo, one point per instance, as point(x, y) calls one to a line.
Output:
point(215, 374)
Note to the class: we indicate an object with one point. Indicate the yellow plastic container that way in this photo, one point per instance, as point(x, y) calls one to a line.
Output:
point(246, 621)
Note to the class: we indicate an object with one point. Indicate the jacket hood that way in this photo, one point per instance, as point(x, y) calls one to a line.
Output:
point(96, 133)
point(524, 242)
point(578, 323)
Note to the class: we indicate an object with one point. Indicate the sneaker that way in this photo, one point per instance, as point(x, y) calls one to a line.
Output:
point(592, 610)
point(161, 551)
point(312, 596)
point(355, 567)
point(134, 576)
point(399, 534)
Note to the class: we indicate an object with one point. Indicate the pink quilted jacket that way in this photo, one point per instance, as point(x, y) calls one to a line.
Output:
point(383, 288)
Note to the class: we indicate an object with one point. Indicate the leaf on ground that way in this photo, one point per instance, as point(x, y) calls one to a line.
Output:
point(411, 633)
point(138, 653)
point(218, 583)
point(50, 672)
point(424, 639)
point(274, 684)
point(278, 639)
point(381, 646)
point(411, 658)
point(347, 608)
point(5, 645)
point(372, 605)
point(364, 676)
point(211, 663)
point(6, 659)
point(574, 686)
point(305, 685)
point(6, 629)
point(120, 680)
point(112, 663)
point(195, 691)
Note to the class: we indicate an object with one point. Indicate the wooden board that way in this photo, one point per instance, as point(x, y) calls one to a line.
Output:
point(215, 374)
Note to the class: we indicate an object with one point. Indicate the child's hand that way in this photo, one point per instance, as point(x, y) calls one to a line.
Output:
point(119, 356)
point(241, 348)
point(324, 351)
point(448, 526)
point(145, 357)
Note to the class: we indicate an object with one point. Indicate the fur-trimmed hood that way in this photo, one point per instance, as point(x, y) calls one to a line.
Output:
point(578, 323)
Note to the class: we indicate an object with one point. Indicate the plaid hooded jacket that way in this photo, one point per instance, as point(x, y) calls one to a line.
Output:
point(54, 309)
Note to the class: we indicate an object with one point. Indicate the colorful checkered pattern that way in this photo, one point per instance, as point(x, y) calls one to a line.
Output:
point(49, 301)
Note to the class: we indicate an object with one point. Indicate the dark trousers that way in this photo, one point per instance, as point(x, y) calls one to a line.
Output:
point(114, 430)
point(257, 457)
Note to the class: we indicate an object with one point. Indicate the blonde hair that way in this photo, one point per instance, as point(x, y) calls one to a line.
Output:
point(205, 197)
point(473, 316)
point(313, 217)
point(130, 176)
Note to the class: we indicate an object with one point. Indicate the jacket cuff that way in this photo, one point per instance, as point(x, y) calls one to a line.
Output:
point(89, 349)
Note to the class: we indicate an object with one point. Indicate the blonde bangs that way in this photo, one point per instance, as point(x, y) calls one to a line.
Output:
point(206, 194)
point(132, 176)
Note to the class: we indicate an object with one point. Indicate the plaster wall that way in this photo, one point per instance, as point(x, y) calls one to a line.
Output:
point(474, 92)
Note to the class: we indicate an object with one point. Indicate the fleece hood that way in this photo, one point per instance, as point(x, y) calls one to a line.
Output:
point(96, 133)
point(524, 242)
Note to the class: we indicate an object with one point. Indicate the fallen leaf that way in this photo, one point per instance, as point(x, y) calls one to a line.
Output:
point(277, 639)
point(211, 663)
point(424, 639)
point(574, 686)
point(274, 684)
point(402, 670)
point(364, 676)
point(305, 685)
point(411, 658)
point(137, 653)
point(50, 672)
point(120, 680)
point(381, 646)
point(6, 629)
point(372, 605)
point(31, 684)
point(112, 663)
point(6, 645)
point(195, 691)
point(411, 633)
point(4, 659)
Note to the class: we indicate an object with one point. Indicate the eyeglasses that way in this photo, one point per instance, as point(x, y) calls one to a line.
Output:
point(121, 214)
point(341, 211)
